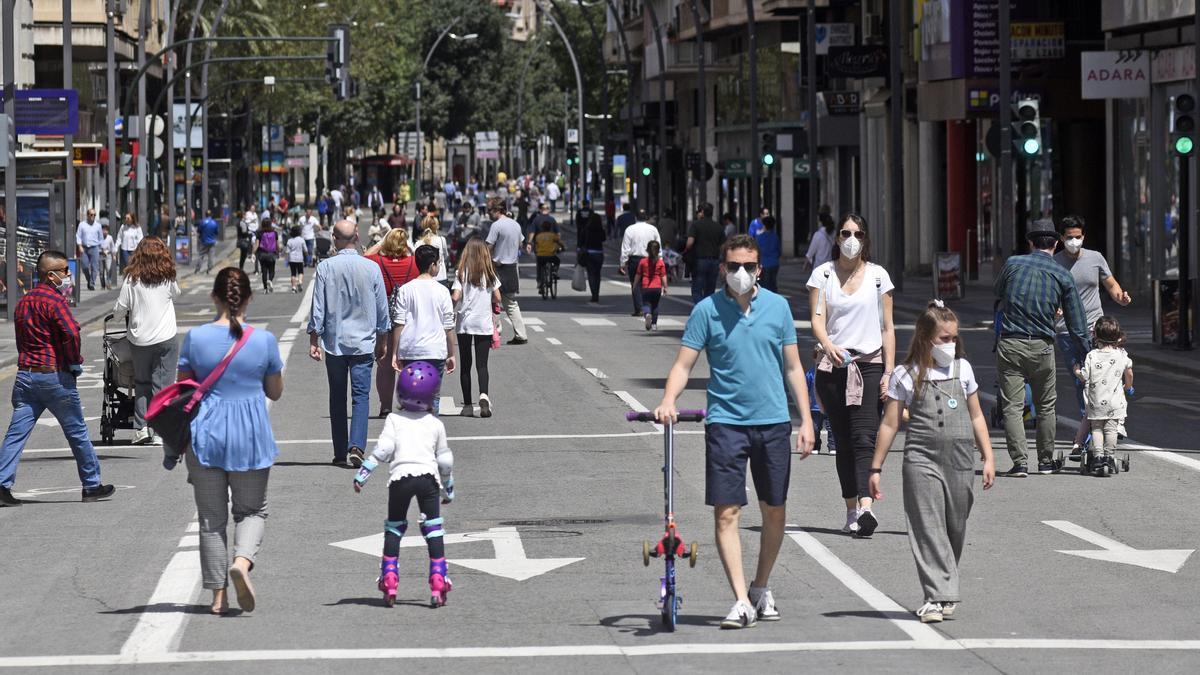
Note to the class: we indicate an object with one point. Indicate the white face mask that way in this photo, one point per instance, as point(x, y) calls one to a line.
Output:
point(740, 282)
point(943, 353)
point(1073, 245)
point(851, 248)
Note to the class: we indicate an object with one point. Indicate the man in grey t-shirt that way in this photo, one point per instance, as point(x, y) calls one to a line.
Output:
point(1091, 271)
point(504, 237)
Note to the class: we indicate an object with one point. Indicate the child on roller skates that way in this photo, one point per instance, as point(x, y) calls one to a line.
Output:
point(1107, 376)
point(413, 442)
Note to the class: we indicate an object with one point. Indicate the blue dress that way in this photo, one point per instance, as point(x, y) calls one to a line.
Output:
point(232, 431)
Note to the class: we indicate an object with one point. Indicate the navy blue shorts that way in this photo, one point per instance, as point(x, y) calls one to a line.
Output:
point(727, 447)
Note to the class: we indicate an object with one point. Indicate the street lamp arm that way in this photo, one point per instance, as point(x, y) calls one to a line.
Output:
point(438, 41)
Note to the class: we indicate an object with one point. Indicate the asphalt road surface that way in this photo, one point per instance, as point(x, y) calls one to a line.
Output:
point(556, 493)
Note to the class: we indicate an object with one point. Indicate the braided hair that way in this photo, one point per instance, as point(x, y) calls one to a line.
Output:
point(232, 288)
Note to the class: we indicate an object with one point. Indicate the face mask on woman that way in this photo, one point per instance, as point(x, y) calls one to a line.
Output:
point(943, 353)
point(851, 248)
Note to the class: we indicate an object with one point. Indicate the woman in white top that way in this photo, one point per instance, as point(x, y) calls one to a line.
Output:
point(128, 238)
point(148, 297)
point(476, 291)
point(429, 228)
point(851, 301)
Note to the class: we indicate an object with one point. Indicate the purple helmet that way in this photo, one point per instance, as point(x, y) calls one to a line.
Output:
point(416, 385)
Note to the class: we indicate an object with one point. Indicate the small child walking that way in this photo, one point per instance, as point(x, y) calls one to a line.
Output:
point(818, 415)
point(413, 442)
point(651, 275)
point(945, 427)
point(1107, 376)
point(297, 249)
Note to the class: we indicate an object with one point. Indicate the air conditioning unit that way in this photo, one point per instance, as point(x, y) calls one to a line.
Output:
point(873, 28)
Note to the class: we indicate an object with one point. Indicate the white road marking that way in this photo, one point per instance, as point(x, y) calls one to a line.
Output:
point(1165, 560)
point(537, 329)
point(158, 632)
point(554, 341)
point(510, 561)
point(636, 405)
point(533, 320)
point(301, 314)
point(597, 373)
point(196, 291)
point(561, 651)
point(190, 540)
point(669, 322)
point(922, 634)
point(447, 407)
point(592, 321)
point(623, 284)
point(573, 356)
point(53, 422)
point(193, 527)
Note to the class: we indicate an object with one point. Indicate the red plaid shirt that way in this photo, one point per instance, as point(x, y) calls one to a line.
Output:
point(47, 333)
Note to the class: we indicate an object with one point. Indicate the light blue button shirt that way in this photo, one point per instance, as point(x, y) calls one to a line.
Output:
point(89, 234)
point(349, 306)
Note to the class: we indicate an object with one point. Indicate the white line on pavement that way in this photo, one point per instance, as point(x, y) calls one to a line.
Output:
point(636, 406)
point(554, 341)
point(877, 600)
point(573, 356)
point(592, 321)
point(537, 329)
point(563, 651)
point(158, 631)
point(597, 373)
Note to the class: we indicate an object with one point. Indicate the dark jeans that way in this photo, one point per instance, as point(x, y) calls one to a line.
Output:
point(854, 426)
point(594, 261)
point(482, 346)
point(704, 279)
point(650, 300)
point(33, 394)
point(770, 279)
point(356, 369)
point(631, 267)
point(820, 421)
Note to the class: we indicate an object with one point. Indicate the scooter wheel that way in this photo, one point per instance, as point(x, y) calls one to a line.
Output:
point(645, 553)
point(692, 555)
point(1125, 464)
point(1085, 462)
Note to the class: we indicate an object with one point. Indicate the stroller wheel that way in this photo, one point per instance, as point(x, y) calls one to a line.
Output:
point(645, 553)
point(692, 555)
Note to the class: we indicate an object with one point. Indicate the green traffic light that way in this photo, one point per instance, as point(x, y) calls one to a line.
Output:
point(1031, 146)
point(645, 171)
point(768, 159)
point(1184, 145)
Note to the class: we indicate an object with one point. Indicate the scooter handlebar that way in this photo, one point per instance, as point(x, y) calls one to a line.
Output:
point(684, 416)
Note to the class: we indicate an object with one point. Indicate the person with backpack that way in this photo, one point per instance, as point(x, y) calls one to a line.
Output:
point(268, 250)
point(851, 301)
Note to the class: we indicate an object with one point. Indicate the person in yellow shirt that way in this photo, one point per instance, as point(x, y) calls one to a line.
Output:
point(546, 246)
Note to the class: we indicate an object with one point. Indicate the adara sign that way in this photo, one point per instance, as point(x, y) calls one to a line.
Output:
point(1121, 74)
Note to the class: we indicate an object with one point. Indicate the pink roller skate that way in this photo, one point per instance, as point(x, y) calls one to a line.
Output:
point(389, 579)
point(439, 583)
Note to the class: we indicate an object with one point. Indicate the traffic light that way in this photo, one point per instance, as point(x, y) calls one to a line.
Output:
point(768, 149)
point(1183, 138)
point(125, 174)
point(337, 61)
point(647, 164)
point(572, 155)
point(1027, 127)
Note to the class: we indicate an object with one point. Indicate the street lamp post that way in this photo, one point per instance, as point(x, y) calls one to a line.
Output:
point(755, 163)
point(662, 109)
point(417, 92)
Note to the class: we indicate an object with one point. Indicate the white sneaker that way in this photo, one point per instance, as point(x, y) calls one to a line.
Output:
point(142, 436)
point(741, 616)
point(764, 603)
point(851, 520)
point(930, 612)
point(867, 522)
point(948, 609)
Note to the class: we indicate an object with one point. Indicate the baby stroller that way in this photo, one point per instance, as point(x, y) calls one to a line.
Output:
point(116, 410)
point(996, 415)
point(674, 264)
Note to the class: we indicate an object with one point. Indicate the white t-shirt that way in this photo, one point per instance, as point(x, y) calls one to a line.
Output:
point(853, 321)
point(308, 227)
point(296, 248)
point(900, 387)
point(423, 307)
point(413, 444)
point(439, 242)
point(475, 307)
point(151, 311)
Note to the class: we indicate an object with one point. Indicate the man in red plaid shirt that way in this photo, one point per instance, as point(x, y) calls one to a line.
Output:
point(49, 362)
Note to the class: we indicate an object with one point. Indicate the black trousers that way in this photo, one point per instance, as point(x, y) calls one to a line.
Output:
point(482, 346)
point(594, 261)
point(854, 427)
point(631, 267)
point(400, 494)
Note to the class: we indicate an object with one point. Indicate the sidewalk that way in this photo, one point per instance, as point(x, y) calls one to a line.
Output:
point(95, 305)
point(975, 309)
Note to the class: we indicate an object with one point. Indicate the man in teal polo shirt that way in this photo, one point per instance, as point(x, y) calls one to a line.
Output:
point(750, 339)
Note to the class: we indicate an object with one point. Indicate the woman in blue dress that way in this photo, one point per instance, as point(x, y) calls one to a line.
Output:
point(233, 446)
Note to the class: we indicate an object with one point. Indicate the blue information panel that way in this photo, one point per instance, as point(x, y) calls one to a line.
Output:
point(47, 111)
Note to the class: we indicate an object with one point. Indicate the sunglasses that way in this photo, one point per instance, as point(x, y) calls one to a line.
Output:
point(859, 234)
point(732, 267)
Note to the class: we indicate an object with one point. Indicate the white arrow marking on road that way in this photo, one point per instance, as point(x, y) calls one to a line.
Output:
point(510, 561)
point(53, 422)
point(1165, 560)
point(1190, 407)
point(446, 407)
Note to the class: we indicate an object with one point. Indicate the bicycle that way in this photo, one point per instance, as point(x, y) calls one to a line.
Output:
point(548, 281)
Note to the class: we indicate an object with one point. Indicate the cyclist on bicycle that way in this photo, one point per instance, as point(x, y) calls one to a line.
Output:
point(546, 246)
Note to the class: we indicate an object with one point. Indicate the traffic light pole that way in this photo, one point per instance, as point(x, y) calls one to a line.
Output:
point(756, 164)
point(661, 164)
point(1007, 242)
point(1184, 340)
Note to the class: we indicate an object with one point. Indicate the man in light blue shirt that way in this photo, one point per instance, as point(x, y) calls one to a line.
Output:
point(88, 237)
point(750, 339)
point(348, 326)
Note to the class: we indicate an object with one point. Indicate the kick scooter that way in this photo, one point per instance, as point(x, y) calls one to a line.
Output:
point(670, 547)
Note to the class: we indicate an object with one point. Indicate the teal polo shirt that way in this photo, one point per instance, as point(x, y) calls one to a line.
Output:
point(745, 356)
